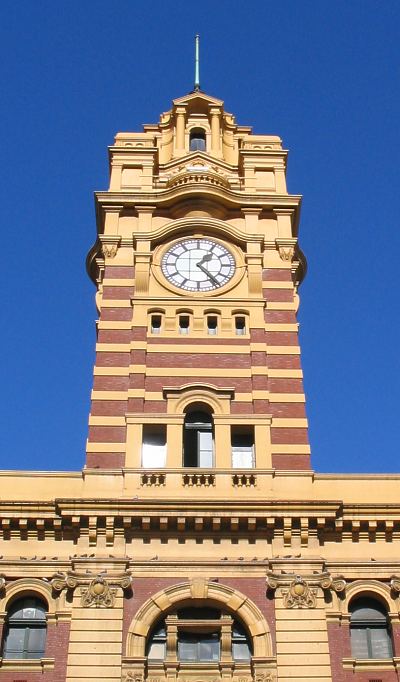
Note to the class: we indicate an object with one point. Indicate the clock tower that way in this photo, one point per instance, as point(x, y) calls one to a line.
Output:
point(197, 544)
point(197, 268)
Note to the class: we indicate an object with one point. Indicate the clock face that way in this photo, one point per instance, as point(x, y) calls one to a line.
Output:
point(198, 265)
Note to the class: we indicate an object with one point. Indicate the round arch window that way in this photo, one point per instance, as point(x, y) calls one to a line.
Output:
point(25, 632)
point(369, 629)
point(197, 140)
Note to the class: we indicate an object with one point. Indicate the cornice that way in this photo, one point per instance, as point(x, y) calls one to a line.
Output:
point(171, 195)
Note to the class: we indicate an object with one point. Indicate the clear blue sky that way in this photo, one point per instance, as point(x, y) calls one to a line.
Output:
point(323, 75)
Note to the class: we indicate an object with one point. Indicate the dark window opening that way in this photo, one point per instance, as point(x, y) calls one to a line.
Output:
point(369, 630)
point(184, 324)
point(197, 613)
point(212, 325)
point(155, 324)
point(25, 633)
point(197, 140)
point(198, 446)
point(240, 326)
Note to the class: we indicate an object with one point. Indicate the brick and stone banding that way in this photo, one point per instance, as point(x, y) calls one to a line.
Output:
point(107, 434)
point(289, 436)
point(117, 293)
point(113, 359)
point(105, 460)
point(295, 461)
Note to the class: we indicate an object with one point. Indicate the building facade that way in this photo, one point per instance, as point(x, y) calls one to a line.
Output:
point(197, 544)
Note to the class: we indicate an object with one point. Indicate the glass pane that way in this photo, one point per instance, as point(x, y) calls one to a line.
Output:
point(187, 649)
point(240, 651)
point(14, 643)
point(36, 642)
point(197, 144)
point(359, 643)
point(154, 450)
point(157, 651)
point(209, 649)
point(28, 609)
point(243, 458)
point(367, 609)
point(205, 445)
point(381, 645)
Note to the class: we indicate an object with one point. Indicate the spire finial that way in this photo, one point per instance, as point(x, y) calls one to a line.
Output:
point(197, 64)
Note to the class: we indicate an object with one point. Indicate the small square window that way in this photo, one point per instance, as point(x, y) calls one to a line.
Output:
point(184, 323)
point(212, 325)
point(242, 449)
point(155, 324)
point(240, 326)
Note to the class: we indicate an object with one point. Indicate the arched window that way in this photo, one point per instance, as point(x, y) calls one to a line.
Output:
point(25, 632)
point(369, 629)
point(196, 634)
point(197, 140)
point(198, 440)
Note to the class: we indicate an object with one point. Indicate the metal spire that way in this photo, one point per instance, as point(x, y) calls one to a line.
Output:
point(197, 64)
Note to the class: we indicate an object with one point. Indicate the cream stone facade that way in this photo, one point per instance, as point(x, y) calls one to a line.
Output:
point(197, 544)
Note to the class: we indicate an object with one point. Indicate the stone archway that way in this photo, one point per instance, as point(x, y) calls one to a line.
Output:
point(207, 592)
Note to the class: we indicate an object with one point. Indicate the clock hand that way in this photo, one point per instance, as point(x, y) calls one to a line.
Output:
point(206, 258)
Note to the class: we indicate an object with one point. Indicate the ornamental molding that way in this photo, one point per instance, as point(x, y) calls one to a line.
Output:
point(265, 677)
point(132, 676)
point(301, 592)
point(197, 170)
point(96, 590)
point(109, 245)
point(2, 583)
point(286, 248)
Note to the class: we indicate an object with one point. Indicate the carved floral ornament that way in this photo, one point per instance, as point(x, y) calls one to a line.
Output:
point(300, 593)
point(96, 590)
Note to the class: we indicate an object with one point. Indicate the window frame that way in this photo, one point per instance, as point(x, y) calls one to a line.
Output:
point(177, 627)
point(30, 625)
point(367, 625)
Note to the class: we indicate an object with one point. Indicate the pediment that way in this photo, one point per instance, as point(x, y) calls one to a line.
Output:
point(198, 97)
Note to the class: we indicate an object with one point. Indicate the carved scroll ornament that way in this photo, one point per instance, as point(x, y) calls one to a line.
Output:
point(96, 590)
point(301, 592)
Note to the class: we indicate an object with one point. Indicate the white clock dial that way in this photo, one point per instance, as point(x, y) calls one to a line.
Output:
point(198, 265)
